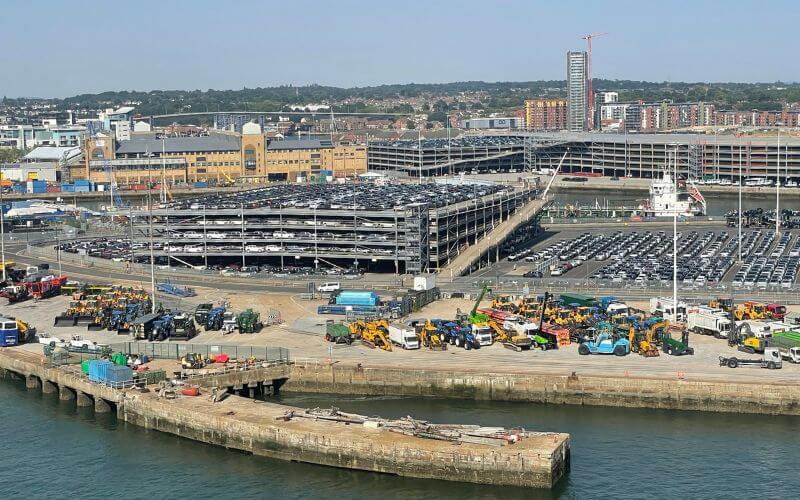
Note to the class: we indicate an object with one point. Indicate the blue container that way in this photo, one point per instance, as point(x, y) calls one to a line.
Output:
point(67, 188)
point(82, 182)
point(38, 190)
point(98, 369)
point(39, 184)
point(116, 374)
point(200, 184)
point(81, 189)
point(357, 298)
point(20, 188)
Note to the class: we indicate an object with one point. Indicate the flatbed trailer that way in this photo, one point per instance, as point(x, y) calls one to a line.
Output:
point(772, 360)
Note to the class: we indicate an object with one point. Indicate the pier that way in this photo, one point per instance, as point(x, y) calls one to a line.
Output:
point(537, 460)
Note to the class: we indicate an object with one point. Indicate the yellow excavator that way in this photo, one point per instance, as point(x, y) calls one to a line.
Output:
point(375, 334)
point(504, 303)
point(510, 339)
point(750, 310)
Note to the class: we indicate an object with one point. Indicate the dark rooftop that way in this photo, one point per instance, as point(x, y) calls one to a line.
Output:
point(180, 144)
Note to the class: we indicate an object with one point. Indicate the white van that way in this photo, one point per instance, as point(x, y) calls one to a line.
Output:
point(329, 287)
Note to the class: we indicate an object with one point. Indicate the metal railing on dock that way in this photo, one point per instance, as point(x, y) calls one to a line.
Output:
point(169, 350)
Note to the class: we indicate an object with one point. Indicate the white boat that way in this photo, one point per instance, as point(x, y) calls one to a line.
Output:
point(666, 199)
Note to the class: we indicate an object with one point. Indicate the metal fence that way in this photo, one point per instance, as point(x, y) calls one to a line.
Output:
point(178, 350)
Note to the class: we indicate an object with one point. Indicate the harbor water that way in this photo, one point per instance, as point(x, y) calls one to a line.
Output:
point(55, 450)
point(718, 204)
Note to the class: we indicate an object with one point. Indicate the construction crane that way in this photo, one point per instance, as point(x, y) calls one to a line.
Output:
point(588, 38)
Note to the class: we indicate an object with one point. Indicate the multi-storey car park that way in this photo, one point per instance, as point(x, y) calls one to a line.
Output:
point(392, 228)
point(723, 157)
point(483, 153)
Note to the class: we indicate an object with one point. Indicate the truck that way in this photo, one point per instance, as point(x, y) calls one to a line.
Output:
point(708, 321)
point(776, 311)
point(9, 333)
point(482, 334)
point(338, 333)
point(403, 336)
point(771, 360)
point(612, 306)
point(665, 307)
point(201, 313)
point(788, 343)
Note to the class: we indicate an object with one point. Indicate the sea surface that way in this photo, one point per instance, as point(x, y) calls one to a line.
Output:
point(52, 449)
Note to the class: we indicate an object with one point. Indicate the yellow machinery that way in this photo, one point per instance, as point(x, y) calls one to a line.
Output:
point(726, 304)
point(750, 310)
point(429, 337)
point(509, 339)
point(375, 334)
point(529, 307)
point(504, 303)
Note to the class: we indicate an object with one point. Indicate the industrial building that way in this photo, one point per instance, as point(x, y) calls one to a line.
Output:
point(396, 228)
point(509, 123)
point(429, 157)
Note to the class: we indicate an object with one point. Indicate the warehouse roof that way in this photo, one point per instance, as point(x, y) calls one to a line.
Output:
point(289, 144)
point(52, 153)
point(180, 144)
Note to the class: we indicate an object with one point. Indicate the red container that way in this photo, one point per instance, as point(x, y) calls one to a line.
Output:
point(138, 187)
point(191, 391)
point(54, 188)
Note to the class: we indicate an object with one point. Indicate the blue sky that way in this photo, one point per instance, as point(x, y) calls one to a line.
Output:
point(60, 48)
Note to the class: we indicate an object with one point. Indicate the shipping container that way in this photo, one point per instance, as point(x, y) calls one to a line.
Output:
point(53, 188)
point(118, 375)
point(98, 369)
point(357, 298)
point(81, 189)
point(67, 188)
point(85, 366)
point(138, 187)
point(82, 182)
point(200, 184)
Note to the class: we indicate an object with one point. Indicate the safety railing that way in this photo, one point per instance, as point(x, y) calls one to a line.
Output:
point(169, 350)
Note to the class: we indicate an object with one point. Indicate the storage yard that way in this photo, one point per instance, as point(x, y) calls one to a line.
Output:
point(395, 228)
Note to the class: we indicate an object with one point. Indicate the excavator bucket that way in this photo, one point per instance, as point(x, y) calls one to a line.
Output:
point(94, 326)
point(64, 321)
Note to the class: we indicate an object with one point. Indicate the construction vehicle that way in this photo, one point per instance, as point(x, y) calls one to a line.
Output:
point(605, 343)
point(192, 361)
point(15, 293)
point(708, 321)
point(465, 337)
point(672, 346)
point(787, 342)
point(183, 326)
point(142, 327)
point(337, 333)
point(162, 328)
point(229, 322)
point(201, 313)
point(749, 337)
point(724, 303)
point(612, 307)
point(504, 303)
point(9, 333)
point(429, 335)
point(474, 316)
point(249, 321)
point(776, 311)
point(771, 359)
point(214, 319)
point(750, 310)
point(643, 343)
point(375, 334)
point(512, 338)
point(664, 307)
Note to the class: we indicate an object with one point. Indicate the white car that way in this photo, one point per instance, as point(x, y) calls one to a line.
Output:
point(78, 342)
point(46, 339)
point(329, 287)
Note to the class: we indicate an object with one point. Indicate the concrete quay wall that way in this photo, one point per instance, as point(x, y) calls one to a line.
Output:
point(540, 464)
point(676, 394)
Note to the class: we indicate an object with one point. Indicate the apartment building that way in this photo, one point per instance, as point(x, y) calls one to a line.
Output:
point(546, 114)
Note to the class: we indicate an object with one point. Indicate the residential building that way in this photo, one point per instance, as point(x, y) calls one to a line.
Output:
point(546, 114)
point(577, 91)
